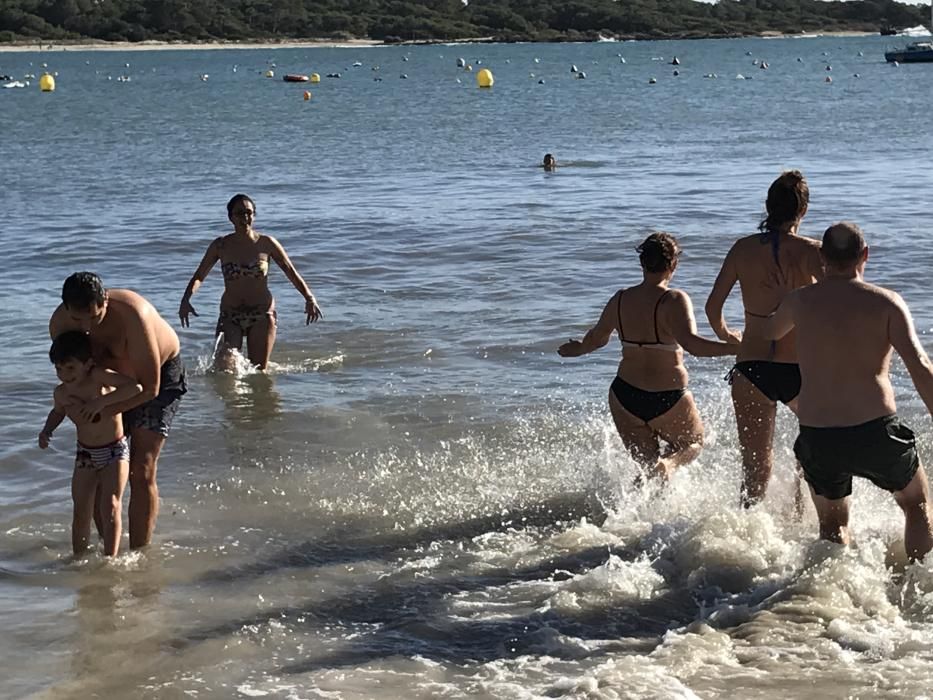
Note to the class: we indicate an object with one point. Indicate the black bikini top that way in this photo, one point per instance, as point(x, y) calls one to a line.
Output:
point(656, 344)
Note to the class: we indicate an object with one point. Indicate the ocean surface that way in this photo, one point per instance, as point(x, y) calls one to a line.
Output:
point(421, 499)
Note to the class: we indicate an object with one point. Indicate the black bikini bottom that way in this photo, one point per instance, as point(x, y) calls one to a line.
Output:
point(779, 381)
point(646, 405)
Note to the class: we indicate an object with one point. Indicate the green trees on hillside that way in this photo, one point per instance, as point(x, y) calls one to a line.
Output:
point(392, 20)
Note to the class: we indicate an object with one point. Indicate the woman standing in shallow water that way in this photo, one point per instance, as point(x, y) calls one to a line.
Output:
point(767, 265)
point(247, 307)
point(648, 398)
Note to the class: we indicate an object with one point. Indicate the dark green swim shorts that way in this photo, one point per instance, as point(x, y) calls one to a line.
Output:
point(882, 450)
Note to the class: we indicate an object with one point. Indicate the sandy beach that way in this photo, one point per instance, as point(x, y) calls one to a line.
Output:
point(48, 47)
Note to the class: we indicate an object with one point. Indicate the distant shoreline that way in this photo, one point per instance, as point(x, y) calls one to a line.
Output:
point(53, 46)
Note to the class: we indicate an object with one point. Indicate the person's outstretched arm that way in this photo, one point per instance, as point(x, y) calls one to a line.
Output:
point(725, 281)
point(207, 264)
point(683, 326)
point(597, 336)
point(312, 310)
point(903, 338)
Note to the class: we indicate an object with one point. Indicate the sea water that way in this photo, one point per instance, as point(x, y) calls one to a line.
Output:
point(421, 499)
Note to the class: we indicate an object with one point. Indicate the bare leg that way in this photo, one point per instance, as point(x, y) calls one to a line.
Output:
point(914, 500)
point(233, 340)
point(145, 446)
point(682, 429)
point(112, 482)
point(834, 518)
point(638, 438)
point(98, 523)
point(754, 416)
point(83, 488)
point(260, 340)
point(799, 502)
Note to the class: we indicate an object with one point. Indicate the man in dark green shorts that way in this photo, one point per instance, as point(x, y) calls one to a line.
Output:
point(846, 329)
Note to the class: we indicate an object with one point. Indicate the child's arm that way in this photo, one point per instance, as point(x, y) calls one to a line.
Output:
point(55, 418)
point(124, 389)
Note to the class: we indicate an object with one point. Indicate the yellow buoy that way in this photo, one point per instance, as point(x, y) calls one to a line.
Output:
point(270, 73)
point(47, 83)
point(307, 95)
point(315, 77)
point(484, 78)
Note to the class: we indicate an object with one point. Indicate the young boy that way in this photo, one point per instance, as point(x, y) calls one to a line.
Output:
point(102, 461)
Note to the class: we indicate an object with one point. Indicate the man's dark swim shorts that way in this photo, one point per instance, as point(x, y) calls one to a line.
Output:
point(157, 415)
point(882, 451)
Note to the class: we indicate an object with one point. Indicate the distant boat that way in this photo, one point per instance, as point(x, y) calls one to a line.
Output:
point(916, 52)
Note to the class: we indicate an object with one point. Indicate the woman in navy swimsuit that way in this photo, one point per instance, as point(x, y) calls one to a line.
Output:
point(648, 398)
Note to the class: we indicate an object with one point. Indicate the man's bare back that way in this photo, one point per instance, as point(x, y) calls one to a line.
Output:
point(845, 327)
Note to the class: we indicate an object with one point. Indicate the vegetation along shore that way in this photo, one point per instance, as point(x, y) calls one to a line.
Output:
point(31, 22)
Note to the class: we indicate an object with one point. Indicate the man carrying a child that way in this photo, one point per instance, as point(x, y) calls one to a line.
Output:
point(130, 337)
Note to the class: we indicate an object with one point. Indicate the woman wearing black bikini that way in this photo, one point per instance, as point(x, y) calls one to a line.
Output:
point(767, 265)
point(648, 398)
point(247, 308)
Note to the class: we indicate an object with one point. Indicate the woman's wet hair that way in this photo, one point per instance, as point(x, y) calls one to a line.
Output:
point(238, 198)
point(659, 252)
point(788, 199)
point(83, 291)
point(70, 345)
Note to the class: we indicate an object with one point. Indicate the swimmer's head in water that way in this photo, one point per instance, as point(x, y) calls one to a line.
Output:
point(71, 355)
point(85, 299)
point(843, 245)
point(788, 199)
point(549, 162)
point(659, 252)
point(240, 203)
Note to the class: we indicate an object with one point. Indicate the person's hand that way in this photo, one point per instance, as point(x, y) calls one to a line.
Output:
point(184, 310)
point(733, 337)
point(44, 438)
point(572, 348)
point(312, 310)
point(91, 411)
